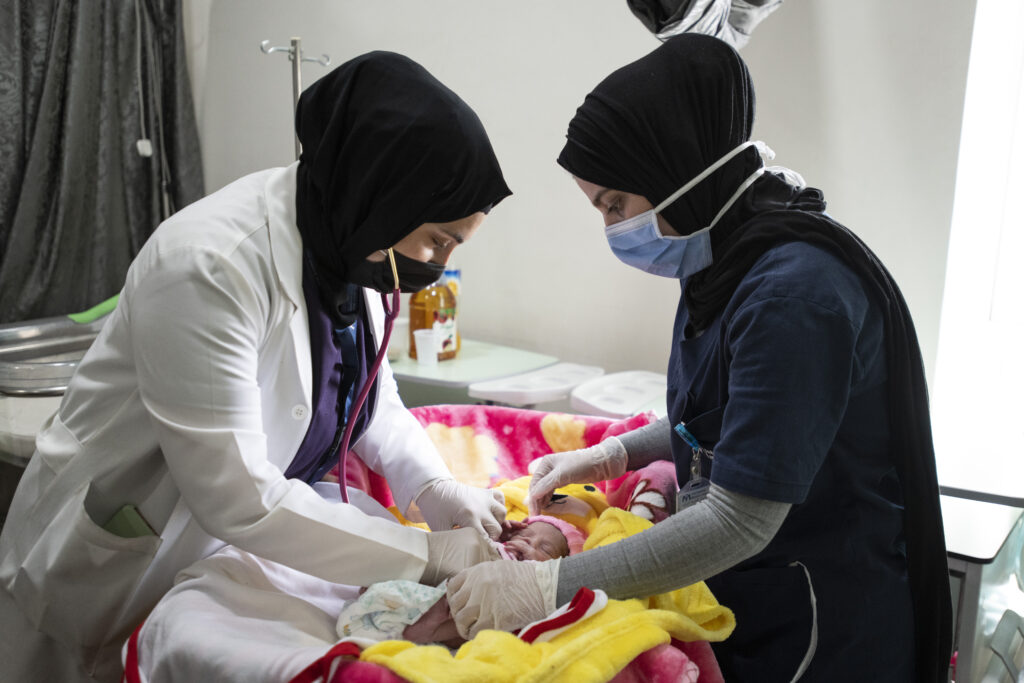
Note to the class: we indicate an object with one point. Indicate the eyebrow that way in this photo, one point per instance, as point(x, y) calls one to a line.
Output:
point(454, 235)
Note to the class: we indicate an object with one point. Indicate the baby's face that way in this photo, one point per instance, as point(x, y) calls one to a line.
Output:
point(536, 541)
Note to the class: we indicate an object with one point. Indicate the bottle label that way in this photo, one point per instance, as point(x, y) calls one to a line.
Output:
point(444, 325)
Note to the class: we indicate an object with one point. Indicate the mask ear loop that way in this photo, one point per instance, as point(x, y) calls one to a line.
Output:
point(390, 314)
point(766, 153)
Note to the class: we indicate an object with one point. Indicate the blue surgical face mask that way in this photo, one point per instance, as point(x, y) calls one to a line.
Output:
point(638, 241)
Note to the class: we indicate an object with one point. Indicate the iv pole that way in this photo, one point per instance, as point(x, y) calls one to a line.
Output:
point(295, 55)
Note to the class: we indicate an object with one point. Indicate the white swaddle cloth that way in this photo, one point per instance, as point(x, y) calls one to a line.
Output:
point(384, 609)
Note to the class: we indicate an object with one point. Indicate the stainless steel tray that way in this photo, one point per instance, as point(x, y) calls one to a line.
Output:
point(38, 357)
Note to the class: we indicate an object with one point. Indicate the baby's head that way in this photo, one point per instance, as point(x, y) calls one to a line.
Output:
point(540, 538)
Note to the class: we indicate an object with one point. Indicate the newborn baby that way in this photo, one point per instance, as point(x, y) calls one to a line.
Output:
point(406, 610)
point(538, 538)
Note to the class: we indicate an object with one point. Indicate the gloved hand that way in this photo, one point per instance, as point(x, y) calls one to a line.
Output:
point(446, 503)
point(449, 552)
point(502, 595)
point(605, 460)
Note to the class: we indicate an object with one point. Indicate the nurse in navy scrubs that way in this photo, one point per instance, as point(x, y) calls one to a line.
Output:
point(797, 407)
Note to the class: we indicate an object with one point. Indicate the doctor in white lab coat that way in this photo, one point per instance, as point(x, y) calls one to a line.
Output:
point(198, 417)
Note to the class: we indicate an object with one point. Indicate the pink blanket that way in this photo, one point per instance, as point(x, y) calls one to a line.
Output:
point(485, 444)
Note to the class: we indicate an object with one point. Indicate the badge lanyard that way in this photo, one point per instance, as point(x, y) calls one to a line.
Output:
point(697, 487)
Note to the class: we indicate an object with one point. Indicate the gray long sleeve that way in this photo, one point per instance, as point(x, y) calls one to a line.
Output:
point(647, 444)
point(691, 545)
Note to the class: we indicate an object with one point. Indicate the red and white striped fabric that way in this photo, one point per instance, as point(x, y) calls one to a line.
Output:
point(585, 603)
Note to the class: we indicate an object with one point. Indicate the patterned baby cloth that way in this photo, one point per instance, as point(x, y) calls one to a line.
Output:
point(385, 609)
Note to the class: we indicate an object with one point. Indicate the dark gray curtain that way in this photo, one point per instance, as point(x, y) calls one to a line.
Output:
point(81, 82)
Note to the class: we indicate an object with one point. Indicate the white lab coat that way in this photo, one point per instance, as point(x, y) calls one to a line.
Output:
point(190, 404)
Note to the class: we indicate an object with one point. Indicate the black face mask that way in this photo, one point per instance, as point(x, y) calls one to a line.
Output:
point(413, 275)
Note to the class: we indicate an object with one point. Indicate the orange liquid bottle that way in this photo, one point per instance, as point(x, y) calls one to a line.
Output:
point(434, 307)
point(453, 278)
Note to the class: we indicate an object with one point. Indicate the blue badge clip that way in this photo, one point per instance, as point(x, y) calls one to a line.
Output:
point(686, 436)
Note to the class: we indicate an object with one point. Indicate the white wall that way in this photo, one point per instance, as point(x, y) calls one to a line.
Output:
point(860, 97)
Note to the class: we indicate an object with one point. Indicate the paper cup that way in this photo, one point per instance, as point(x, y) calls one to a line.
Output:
point(398, 347)
point(426, 346)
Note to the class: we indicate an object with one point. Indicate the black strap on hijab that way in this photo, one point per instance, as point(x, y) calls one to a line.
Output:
point(386, 147)
point(656, 123)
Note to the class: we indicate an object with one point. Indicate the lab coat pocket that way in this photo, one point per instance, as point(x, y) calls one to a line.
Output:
point(76, 577)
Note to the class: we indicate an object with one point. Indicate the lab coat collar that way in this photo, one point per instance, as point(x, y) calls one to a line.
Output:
point(286, 253)
point(286, 249)
point(285, 241)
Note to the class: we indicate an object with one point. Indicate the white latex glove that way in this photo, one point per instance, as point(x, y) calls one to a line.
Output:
point(449, 552)
point(605, 460)
point(446, 503)
point(502, 595)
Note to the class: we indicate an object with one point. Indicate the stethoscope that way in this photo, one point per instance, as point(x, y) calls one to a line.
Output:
point(390, 313)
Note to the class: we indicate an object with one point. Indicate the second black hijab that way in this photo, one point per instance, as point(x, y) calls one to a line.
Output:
point(386, 147)
point(653, 125)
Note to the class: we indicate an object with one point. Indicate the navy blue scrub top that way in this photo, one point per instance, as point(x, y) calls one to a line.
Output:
point(787, 388)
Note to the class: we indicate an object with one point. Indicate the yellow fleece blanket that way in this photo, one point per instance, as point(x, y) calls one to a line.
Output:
point(594, 649)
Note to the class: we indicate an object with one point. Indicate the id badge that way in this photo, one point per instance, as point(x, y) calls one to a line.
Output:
point(696, 489)
point(692, 493)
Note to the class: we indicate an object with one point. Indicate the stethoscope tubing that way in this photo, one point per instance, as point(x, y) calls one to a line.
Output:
point(390, 314)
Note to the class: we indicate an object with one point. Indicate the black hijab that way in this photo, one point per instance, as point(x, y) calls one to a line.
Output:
point(386, 147)
point(653, 125)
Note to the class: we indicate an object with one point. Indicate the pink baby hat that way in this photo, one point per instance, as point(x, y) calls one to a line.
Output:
point(573, 536)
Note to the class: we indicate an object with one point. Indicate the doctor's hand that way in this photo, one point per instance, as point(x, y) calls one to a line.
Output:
point(449, 552)
point(605, 460)
point(504, 595)
point(445, 503)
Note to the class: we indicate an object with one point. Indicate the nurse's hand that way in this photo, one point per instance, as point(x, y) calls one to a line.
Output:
point(606, 460)
point(445, 503)
point(449, 552)
point(504, 595)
